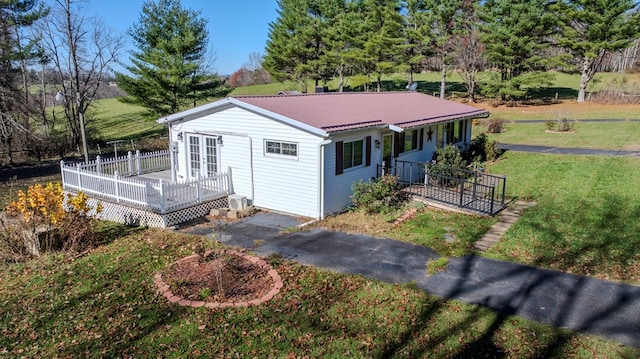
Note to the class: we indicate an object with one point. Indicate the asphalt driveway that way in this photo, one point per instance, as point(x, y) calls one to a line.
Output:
point(560, 299)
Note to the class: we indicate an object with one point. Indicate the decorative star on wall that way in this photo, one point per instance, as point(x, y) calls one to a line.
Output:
point(429, 134)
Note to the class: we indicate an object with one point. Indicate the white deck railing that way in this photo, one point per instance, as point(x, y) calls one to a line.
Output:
point(130, 165)
point(161, 197)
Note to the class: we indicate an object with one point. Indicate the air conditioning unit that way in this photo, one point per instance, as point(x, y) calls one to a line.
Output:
point(237, 203)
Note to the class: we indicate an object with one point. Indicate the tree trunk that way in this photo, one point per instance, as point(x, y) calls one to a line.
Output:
point(443, 81)
point(589, 66)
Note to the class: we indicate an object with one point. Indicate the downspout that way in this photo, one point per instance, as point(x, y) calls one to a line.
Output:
point(173, 156)
point(321, 181)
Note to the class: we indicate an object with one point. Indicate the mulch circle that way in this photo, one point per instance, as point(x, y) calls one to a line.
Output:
point(249, 270)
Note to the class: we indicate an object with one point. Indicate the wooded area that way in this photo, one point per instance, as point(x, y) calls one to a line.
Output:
point(516, 39)
point(55, 62)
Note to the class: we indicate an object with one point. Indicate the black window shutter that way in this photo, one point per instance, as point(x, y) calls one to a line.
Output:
point(396, 144)
point(339, 158)
point(421, 139)
point(367, 152)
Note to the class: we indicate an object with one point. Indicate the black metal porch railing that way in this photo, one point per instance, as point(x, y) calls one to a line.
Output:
point(466, 189)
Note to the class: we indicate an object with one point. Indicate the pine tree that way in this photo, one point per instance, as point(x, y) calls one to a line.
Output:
point(417, 33)
point(446, 19)
point(384, 41)
point(171, 68)
point(15, 108)
point(593, 28)
point(516, 36)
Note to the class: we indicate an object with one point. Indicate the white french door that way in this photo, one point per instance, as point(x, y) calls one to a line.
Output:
point(204, 156)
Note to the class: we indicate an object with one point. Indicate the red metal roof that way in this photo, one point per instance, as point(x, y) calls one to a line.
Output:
point(343, 111)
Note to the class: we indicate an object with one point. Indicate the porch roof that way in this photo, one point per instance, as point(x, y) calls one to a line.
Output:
point(332, 112)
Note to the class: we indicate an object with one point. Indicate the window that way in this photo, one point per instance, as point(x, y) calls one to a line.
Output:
point(281, 148)
point(194, 155)
point(408, 141)
point(352, 154)
point(454, 131)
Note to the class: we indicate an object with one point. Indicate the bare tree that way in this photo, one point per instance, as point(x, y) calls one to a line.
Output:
point(82, 51)
point(470, 60)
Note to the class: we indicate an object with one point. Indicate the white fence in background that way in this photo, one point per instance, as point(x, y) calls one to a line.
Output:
point(130, 165)
point(103, 179)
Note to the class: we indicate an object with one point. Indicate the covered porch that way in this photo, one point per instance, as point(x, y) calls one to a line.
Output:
point(138, 189)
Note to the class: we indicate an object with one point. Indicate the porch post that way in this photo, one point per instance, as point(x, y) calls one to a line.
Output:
point(230, 181)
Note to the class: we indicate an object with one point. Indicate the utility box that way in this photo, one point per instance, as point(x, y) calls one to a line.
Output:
point(237, 202)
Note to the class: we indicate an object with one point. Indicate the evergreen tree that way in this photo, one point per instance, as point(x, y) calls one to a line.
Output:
point(171, 68)
point(384, 41)
point(446, 18)
point(417, 33)
point(593, 28)
point(516, 36)
point(15, 51)
point(297, 45)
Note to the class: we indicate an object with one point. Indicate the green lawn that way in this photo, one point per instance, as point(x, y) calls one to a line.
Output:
point(105, 304)
point(112, 120)
point(600, 135)
point(586, 219)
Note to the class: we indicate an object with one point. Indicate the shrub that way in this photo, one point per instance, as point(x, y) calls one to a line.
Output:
point(495, 125)
point(447, 168)
point(42, 218)
point(379, 196)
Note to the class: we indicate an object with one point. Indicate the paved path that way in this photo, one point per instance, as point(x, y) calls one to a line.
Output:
point(507, 218)
point(566, 151)
point(575, 302)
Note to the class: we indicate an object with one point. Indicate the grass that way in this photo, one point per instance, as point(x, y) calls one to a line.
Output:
point(105, 305)
point(598, 135)
point(428, 228)
point(586, 219)
point(114, 120)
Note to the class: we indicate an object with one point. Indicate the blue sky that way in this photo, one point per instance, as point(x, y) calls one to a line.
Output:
point(236, 28)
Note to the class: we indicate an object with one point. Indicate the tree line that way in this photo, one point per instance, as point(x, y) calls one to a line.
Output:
point(55, 62)
point(519, 41)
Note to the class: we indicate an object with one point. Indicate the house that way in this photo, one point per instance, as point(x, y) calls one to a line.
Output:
point(300, 154)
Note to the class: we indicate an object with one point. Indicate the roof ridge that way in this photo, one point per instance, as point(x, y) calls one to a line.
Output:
point(325, 94)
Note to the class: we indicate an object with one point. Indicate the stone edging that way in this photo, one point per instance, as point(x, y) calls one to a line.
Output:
point(165, 290)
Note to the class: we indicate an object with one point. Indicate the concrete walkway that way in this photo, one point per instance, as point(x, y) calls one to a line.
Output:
point(579, 303)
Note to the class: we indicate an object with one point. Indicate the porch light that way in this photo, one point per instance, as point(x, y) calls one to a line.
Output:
point(220, 140)
point(377, 143)
point(180, 136)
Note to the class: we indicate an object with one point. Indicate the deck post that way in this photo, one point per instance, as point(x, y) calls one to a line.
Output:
point(504, 187)
point(163, 204)
point(62, 173)
point(138, 164)
point(475, 183)
point(198, 181)
point(79, 177)
point(493, 193)
point(99, 164)
point(116, 178)
point(229, 181)
point(130, 163)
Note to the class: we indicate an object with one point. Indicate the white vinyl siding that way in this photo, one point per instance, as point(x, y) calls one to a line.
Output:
point(269, 181)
